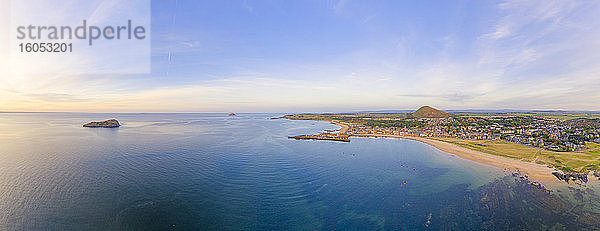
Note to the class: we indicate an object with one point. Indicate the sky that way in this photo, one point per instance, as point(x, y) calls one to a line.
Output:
point(338, 56)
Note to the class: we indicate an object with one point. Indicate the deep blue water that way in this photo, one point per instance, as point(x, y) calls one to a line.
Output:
point(216, 172)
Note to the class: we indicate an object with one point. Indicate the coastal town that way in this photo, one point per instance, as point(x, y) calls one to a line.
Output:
point(570, 144)
point(540, 132)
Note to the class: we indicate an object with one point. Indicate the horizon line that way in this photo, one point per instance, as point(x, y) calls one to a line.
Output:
point(296, 112)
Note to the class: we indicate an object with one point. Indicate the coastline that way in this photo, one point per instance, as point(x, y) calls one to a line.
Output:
point(535, 172)
point(344, 127)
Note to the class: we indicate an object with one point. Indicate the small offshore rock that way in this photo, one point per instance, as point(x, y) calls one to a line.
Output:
point(112, 123)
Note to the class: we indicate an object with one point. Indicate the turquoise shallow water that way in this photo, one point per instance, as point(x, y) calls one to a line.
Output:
point(215, 172)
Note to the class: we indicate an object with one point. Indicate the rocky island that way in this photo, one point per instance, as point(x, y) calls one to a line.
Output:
point(112, 123)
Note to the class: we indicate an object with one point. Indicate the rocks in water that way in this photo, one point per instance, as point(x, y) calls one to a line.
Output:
point(560, 176)
point(112, 123)
point(540, 187)
point(582, 177)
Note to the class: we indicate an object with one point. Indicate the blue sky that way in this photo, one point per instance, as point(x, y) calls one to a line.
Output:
point(345, 55)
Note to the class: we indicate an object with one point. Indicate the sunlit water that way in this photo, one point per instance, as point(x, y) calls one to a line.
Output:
point(216, 172)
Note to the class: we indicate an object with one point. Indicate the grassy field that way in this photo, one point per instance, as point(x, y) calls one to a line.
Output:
point(567, 161)
point(308, 117)
point(592, 145)
point(562, 116)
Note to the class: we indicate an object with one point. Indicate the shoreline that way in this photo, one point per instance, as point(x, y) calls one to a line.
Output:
point(535, 172)
point(344, 126)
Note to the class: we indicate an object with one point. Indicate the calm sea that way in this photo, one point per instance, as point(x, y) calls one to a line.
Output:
point(219, 172)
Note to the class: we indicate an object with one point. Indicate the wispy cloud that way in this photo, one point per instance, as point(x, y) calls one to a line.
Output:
point(337, 5)
point(516, 54)
point(454, 97)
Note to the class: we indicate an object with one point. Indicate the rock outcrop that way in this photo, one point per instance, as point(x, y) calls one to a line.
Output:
point(572, 176)
point(112, 123)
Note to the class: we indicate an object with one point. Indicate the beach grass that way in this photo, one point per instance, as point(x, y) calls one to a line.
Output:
point(580, 161)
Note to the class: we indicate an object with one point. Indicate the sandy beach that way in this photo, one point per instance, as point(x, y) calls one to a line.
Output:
point(535, 172)
point(344, 127)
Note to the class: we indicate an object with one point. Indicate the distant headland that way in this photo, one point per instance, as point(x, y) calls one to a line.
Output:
point(112, 123)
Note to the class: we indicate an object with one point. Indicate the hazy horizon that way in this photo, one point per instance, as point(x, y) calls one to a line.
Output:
point(335, 56)
point(506, 110)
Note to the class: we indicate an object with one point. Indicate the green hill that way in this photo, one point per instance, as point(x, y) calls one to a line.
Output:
point(429, 112)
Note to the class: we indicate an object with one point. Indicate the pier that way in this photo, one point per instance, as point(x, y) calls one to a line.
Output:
point(320, 137)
